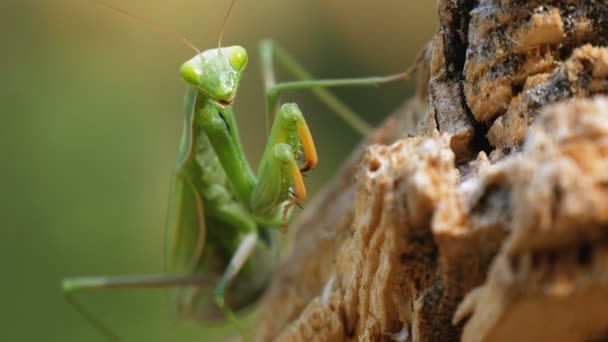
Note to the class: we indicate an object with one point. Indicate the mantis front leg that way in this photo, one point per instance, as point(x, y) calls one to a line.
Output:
point(280, 168)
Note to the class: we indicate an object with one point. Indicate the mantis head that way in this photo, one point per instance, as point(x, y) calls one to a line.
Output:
point(216, 72)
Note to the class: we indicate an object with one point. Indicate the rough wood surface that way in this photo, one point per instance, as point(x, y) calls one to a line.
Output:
point(478, 211)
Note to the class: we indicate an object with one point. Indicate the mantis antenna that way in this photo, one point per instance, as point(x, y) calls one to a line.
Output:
point(219, 40)
point(158, 27)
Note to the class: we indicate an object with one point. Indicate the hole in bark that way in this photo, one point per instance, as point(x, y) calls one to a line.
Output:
point(374, 165)
point(555, 204)
point(480, 141)
point(516, 89)
point(584, 254)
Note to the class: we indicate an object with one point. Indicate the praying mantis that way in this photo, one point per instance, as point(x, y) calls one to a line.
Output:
point(224, 219)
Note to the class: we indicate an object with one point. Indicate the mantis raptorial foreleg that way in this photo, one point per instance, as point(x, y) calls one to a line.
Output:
point(280, 161)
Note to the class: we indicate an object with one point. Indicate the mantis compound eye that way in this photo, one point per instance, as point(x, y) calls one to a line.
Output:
point(191, 72)
point(238, 57)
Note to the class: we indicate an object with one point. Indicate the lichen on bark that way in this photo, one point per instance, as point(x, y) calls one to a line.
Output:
point(478, 211)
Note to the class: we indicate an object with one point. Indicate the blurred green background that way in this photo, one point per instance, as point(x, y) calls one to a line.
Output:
point(91, 117)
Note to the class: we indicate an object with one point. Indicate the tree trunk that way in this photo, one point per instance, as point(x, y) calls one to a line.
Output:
point(489, 221)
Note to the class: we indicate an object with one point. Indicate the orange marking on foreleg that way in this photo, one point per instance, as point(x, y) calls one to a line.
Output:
point(308, 145)
point(299, 192)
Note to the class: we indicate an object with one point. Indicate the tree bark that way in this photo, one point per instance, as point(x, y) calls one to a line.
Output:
point(479, 210)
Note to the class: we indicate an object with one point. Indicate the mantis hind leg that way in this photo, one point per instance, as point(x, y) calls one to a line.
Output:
point(269, 50)
point(237, 262)
point(70, 286)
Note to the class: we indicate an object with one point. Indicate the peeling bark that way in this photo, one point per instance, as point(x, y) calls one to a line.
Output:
point(477, 212)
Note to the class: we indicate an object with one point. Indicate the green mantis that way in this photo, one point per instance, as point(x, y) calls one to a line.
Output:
point(224, 219)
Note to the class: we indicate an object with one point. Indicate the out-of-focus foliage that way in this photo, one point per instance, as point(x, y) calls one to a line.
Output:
point(91, 117)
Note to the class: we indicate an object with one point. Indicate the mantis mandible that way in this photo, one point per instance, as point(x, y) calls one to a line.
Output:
point(224, 218)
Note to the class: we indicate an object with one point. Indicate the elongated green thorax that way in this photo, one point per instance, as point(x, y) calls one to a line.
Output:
point(221, 128)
